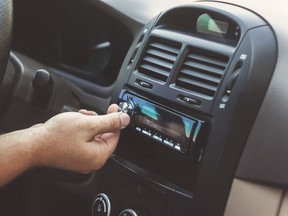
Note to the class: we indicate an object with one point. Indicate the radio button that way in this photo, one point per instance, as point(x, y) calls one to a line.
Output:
point(168, 143)
point(138, 129)
point(146, 133)
point(177, 147)
point(157, 138)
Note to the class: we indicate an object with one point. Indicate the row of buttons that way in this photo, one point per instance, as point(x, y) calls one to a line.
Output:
point(159, 138)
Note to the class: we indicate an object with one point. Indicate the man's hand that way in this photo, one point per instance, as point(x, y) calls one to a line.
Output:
point(78, 141)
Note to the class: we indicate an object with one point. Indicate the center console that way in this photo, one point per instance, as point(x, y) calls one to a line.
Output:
point(192, 83)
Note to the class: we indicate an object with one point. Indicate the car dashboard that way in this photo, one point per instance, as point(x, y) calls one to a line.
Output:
point(204, 84)
point(185, 72)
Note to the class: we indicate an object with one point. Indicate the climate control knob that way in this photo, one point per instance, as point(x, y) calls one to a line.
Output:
point(101, 205)
point(132, 212)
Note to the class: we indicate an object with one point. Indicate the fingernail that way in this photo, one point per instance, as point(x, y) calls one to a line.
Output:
point(125, 119)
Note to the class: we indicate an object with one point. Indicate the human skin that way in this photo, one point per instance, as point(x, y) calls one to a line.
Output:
point(76, 141)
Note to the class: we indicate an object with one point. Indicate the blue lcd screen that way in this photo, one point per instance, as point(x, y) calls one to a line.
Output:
point(162, 125)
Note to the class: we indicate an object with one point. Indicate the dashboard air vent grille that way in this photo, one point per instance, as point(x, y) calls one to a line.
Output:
point(202, 72)
point(158, 59)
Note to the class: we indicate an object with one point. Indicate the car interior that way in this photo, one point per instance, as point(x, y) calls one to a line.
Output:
point(204, 82)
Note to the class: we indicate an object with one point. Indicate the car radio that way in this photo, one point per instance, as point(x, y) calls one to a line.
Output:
point(160, 124)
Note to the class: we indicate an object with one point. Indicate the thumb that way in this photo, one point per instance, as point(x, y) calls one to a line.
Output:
point(109, 122)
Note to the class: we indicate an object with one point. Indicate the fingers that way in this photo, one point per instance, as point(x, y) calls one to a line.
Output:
point(37, 125)
point(112, 108)
point(110, 122)
point(86, 112)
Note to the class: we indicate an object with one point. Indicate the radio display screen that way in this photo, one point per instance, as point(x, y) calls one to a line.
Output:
point(169, 128)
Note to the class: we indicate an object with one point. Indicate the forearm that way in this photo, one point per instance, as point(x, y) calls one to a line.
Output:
point(16, 154)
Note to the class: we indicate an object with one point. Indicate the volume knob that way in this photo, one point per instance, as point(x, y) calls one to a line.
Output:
point(127, 107)
point(123, 107)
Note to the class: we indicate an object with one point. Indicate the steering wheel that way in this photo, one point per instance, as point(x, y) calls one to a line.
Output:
point(6, 19)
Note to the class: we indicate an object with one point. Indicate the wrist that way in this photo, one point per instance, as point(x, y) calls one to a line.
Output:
point(33, 144)
point(19, 154)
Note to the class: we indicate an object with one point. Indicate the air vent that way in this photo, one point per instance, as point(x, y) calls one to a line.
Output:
point(202, 72)
point(158, 59)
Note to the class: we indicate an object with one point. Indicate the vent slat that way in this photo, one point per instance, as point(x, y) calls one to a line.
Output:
point(202, 72)
point(197, 83)
point(221, 63)
point(152, 69)
point(199, 75)
point(162, 55)
point(207, 68)
point(208, 90)
point(159, 59)
point(158, 62)
point(164, 47)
